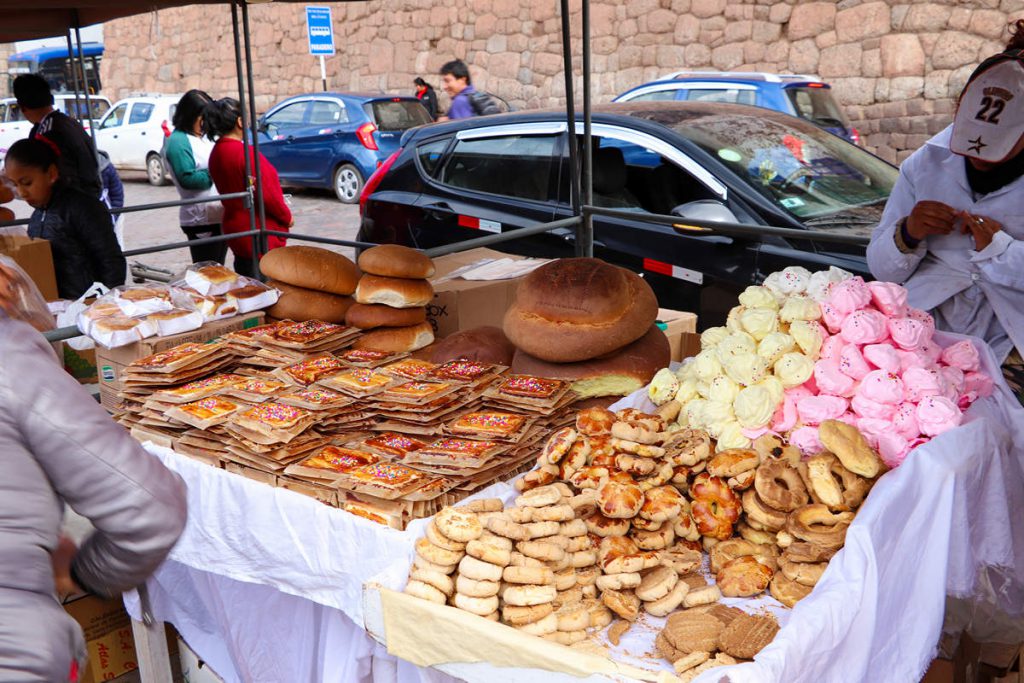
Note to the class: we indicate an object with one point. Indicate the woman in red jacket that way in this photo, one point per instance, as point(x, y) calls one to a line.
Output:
point(222, 121)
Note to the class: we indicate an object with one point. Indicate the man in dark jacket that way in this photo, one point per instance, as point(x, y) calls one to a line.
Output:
point(78, 165)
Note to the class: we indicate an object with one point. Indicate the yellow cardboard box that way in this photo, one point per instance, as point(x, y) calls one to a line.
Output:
point(35, 258)
point(681, 329)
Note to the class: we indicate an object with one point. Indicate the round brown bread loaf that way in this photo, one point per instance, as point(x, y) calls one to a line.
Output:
point(397, 339)
point(579, 308)
point(393, 260)
point(616, 374)
point(312, 268)
point(301, 304)
point(368, 316)
point(484, 344)
point(393, 291)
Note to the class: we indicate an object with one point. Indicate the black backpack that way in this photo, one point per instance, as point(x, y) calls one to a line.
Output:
point(483, 103)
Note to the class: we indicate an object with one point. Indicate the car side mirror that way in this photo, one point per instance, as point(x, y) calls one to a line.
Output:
point(262, 126)
point(706, 210)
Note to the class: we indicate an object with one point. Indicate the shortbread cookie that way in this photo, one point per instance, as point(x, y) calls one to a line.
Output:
point(486, 552)
point(541, 529)
point(618, 581)
point(747, 635)
point(432, 553)
point(485, 505)
point(588, 591)
point(573, 617)
point(519, 615)
point(441, 582)
point(520, 515)
point(541, 550)
point(623, 603)
point(567, 637)
point(419, 562)
point(656, 584)
point(494, 539)
point(425, 591)
point(565, 579)
point(542, 627)
point(666, 605)
point(584, 558)
point(442, 541)
point(517, 559)
point(702, 596)
point(573, 528)
point(458, 524)
point(503, 526)
point(476, 589)
point(587, 576)
point(479, 570)
point(569, 596)
point(690, 661)
point(693, 632)
point(524, 596)
point(479, 606)
point(540, 497)
point(617, 630)
point(554, 513)
point(536, 576)
point(600, 616)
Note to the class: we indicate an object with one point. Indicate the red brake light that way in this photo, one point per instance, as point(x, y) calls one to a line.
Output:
point(374, 180)
point(365, 134)
point(166, 129)
point(855, 135)
point(815, 85)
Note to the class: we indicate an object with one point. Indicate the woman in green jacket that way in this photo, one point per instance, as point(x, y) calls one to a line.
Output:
point(186, 152)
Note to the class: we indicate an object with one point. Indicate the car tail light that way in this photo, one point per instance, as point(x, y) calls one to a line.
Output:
point(166, 129)
point(365, 134)
point(855, 136)
point(374, 180)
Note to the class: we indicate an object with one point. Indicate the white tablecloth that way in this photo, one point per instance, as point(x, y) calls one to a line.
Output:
point(266, 584)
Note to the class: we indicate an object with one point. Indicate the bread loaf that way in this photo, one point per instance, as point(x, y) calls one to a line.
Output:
point(300, 304)
point(397, 339)
point(394, 292)
point(616, 374)
point(485, 344)
point(393, 260)
point(312, 268)
point(577, 309)
point(368, 316)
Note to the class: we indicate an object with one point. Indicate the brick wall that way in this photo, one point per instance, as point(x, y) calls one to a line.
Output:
point(895, 66)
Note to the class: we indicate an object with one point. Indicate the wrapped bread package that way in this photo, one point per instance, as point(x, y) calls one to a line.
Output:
point(208, 277)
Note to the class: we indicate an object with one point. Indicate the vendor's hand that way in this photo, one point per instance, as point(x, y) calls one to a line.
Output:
point(931, 218)
point(982, 228)
point(61, 559)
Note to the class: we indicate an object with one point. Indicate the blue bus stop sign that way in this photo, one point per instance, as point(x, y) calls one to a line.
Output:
point(320, 31)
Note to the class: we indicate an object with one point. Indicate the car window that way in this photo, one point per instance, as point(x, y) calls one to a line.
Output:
point(288, 116)
point(511, 165)
point(430, 155)
point(816, 105)
point(400, 115)
point(14, 112)
point(141, 112)
point(733, 95)
point(116, 116)
point(657, 96)
point(324, 113)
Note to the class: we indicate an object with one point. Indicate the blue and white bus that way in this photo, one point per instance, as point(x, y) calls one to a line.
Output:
point(53, 64)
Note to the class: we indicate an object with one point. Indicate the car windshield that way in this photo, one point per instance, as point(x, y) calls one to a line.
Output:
point(805, 170)
point(816, 105)
point(400, 115)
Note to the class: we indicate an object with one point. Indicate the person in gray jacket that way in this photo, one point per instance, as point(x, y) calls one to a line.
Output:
point(57, 446)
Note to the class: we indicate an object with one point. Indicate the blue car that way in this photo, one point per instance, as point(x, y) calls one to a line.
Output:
point(336, 140)
point(797, 95)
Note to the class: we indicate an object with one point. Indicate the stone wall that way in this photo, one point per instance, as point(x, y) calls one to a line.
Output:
point(895, 66)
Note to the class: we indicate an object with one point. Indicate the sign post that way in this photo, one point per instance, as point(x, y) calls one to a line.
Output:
point(320, 30)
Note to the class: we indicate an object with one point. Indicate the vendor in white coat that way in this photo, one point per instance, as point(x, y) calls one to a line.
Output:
point(953, 228)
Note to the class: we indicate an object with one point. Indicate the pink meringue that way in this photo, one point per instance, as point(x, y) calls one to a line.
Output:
point(920, 383)
point(883, 356)
point(909, 334)
point(871, 428)
point(831, 380)
point(962, 355)
point(912, 359)
point(932, 351)
point(806, 439)
point(921, 316)
point(979, 383)
point(952, 381)
point(832, 317)
point(937, 414)
point(831, 348)
point(850, 295)
point(904, 421)
point(882, 387)
point(865, 407)
point(784, 417)
point(889, 297)
point(849, 418)
point(814, 410)
point(866, 326)
point(852, 363)
point(893, 448)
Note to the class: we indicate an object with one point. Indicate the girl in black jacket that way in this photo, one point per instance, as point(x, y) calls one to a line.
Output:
point(77, 224)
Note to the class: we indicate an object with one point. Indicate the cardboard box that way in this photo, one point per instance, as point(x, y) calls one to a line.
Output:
point(108, 635)
point(110, 363)
point(35, 258)
point(681, 329)
point(464, 304)
point(81, 364)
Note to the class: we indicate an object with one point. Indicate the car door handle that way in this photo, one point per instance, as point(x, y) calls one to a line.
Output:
point(290, 138)
point(142, 132)
point(438, 206)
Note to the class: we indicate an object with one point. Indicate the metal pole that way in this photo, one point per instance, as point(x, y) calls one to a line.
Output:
point(323, 72)
point(74, 71)
point(85, 81)
point(245, 138)
point(570, 115)
point(585, 246)
point(264, 246)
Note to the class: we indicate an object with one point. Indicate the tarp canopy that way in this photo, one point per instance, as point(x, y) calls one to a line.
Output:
point(45, 18)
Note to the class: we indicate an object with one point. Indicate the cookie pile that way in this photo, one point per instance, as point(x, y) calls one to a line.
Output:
point(707, 637)
point(440, 553)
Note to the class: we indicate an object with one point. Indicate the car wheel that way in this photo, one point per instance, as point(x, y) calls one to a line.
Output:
point(348, 183)
point(155, 170)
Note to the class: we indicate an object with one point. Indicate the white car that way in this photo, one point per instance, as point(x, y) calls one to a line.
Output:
point(133, 133)
point(14, 127)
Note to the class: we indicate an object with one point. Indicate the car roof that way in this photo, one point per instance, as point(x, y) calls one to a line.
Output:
point(368, 97)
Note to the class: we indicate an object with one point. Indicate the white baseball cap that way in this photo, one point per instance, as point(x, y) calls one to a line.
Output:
point(990, 116)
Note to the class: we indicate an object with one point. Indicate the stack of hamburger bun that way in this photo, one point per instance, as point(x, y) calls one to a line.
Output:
point(587, 322)
point(315, 284)
point(391, 299)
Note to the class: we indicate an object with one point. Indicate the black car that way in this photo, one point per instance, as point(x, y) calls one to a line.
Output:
point(721, 162)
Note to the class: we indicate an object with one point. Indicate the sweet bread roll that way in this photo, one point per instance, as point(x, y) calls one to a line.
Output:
point(368, 316)
point(850, 446)
point(394, 292)
point(743, 577)
point(301, 304)
point(393, 260)
point(576, 309)
point(397, 339)
point(311, 268)
point(484, 344)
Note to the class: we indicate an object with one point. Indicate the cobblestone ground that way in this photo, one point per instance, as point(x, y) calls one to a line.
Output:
point(316, 212)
